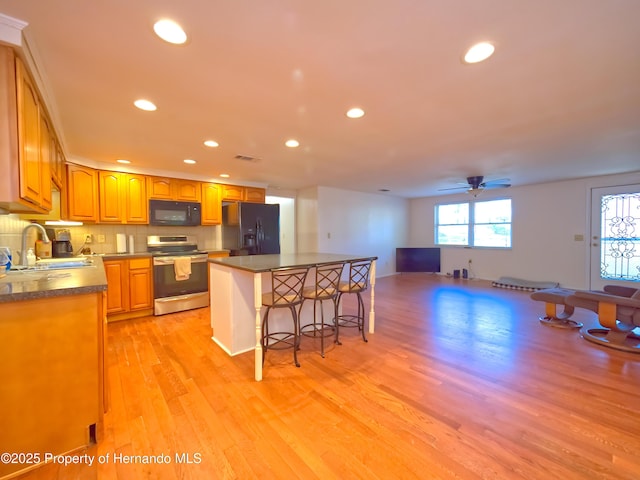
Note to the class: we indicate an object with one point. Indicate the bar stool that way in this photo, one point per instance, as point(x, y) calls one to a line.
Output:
point(286, 292)
point(327, 278)
point(357, 283)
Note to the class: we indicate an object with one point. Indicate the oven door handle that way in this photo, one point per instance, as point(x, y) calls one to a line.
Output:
point(169, 260)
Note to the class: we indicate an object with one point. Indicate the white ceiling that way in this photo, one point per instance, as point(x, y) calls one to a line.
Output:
point(560, 98)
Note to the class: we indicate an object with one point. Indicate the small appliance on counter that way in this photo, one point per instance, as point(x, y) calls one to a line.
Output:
point(60, 242)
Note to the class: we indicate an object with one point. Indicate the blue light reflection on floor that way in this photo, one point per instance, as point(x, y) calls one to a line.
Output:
point(485, 322)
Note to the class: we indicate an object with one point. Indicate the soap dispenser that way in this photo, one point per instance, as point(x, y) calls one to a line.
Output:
point(31, 258)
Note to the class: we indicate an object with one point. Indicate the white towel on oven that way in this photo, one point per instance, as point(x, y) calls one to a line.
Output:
point(182, 267)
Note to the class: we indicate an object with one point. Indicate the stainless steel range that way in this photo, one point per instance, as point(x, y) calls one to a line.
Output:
point(170, 293)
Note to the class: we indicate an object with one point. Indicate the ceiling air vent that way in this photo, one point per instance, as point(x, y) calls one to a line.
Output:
point(246, 158)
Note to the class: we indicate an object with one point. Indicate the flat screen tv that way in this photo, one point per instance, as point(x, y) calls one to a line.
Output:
point(418, 260)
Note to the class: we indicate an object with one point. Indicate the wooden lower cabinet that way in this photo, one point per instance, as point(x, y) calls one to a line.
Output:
point(52, 369)
point(129, 288)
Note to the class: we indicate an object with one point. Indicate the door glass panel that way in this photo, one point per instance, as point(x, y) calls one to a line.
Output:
point(620, 237)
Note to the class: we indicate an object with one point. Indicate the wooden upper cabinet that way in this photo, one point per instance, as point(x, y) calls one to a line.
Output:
point(82, 193)
point(255, 195)
point(235, 193)
point(28, 137)
point(160, 188)
point(123, 198)
point(57, 163)
point(211, 204)
point(26, 140)
point(111, 197)
point(164, 188)
point(136, 206)
point(187, 190)
point(232, 193)
point(46, 155)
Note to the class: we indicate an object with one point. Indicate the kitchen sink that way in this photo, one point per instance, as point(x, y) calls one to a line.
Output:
point(46, 264)
point(30, 274)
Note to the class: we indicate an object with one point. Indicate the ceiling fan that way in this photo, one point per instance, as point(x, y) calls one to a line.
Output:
point(475, 185)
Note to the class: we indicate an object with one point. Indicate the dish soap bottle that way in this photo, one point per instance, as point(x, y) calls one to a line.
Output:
point(31, 258)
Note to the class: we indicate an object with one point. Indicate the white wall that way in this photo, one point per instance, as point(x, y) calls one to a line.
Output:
point(361, 223)
point(307, 220)
point(287, 222)
point(546, 218)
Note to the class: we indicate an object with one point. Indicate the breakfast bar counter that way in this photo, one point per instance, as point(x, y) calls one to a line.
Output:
point(236, 296)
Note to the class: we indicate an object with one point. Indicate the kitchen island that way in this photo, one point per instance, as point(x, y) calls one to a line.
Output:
point(236, 296)
point(52, 368)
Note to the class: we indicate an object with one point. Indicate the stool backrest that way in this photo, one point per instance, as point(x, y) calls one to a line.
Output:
point(286, 285)
point(359, 275)
point(327, 279)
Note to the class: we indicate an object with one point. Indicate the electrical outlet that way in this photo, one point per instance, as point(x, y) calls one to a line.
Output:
point(88, 238)
point(101, 238)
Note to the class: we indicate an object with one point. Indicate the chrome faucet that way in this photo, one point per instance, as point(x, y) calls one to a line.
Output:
point(23, 252)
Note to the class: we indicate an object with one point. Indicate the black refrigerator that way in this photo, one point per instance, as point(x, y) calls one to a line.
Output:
point(250, 228)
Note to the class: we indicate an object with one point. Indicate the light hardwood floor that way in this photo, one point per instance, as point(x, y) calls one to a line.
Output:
point(459, 381)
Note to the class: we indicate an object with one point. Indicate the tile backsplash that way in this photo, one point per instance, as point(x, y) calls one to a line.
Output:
point(11, 226)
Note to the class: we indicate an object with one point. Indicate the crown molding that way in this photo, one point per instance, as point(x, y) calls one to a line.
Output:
point(11, 30)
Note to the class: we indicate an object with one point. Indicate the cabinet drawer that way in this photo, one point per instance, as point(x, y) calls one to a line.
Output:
point(139, 263)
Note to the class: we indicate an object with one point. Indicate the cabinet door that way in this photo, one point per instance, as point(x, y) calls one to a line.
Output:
point(117, 288)
point(232, 192)
point(28, 137)
point(111, 197)
point(255, 195)
point(57, 163)
point(82, 193)
point(159, 187)
point(136, 205)
point(140, 284)
point(211, 204)
point(187, 190)
point(46, 156)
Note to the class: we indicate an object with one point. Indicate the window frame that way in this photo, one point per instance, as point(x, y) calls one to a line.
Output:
point(471, 223)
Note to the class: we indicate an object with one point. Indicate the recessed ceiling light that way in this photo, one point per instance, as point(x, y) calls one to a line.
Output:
point(479, 52)
point(189, 161)
point(224, 175)
point(355, 113)
point(211, 143)
point(122, 160)
point(170, 31)
point(292, 143)
point(145, 105)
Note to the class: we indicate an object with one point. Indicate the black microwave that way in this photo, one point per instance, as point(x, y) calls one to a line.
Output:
point(168, 213)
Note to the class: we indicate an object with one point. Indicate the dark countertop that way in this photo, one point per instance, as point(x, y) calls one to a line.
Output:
point(34, 284)
point(266, 263)
point(120, 256)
